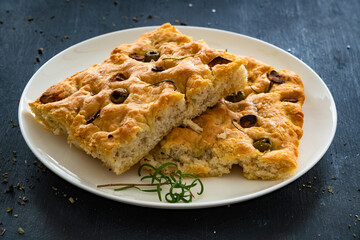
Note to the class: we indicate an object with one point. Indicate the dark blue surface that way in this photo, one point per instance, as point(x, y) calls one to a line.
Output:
point(320, 205)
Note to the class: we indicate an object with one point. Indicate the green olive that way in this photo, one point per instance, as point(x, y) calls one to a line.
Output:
point(262, 144)
point(235, 97)
point(151, 55)
point(119, 95)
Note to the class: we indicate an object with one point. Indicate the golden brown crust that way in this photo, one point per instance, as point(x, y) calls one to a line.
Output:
point(221, 145)
point(120, 134)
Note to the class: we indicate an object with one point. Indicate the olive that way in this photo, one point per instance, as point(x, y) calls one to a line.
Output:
point(218, 60)
point(248, 121)
point(275, 77)
point(151, 55)
point(118, 77)
point(119, 95)
point(96, 115)
point(157, 69)
point(137, 57)
point(235, 97)
point(52, 97)
point(262, 144)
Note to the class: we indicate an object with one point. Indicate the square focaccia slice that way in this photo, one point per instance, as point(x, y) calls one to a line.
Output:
point(258, 129)
point(120, 109)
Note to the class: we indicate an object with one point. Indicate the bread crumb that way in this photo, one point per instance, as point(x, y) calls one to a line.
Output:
point(192, 125)
point(223, 135)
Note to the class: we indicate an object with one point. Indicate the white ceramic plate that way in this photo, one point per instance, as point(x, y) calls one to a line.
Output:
point(85, 172)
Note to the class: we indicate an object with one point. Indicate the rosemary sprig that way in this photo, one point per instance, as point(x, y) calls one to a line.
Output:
point(181, 58)
point(269, 87)
point(254, 90)
point(178, 191)
point(234, 120)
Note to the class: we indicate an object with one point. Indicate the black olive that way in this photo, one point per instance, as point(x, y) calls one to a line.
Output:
point(48, 98)
point(248, 121)
point(157, 69)
point(119, 95)
point(275, 77)
point(218, 60)
point(235, 97)
point(151, 55)
point(262, 144)
point(118, 77)
point(137, 57)
point(96, 115)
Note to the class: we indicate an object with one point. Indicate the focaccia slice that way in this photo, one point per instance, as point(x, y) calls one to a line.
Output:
point(120, 109)
point(258, 129)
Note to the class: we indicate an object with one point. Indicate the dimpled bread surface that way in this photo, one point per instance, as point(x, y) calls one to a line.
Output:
point(162, 93)
point(223, 142)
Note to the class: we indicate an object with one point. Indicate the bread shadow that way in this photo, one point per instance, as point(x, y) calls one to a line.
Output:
point(274, 214)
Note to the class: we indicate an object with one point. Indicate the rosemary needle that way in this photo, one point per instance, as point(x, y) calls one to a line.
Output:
point(128, 184)
point(254, 90)
point(234, 120)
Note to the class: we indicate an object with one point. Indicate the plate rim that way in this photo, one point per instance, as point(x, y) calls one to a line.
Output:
point(164, 205)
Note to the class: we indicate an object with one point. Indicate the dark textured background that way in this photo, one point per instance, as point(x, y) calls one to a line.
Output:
point(324, 34)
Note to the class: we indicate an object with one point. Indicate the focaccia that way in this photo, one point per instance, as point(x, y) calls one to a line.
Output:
point(258, 129)
point(120, 109)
